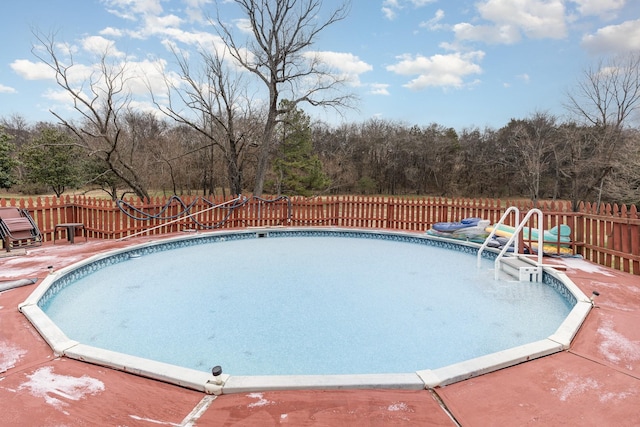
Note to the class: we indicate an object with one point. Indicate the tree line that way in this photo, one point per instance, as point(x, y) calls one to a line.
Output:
point(536, 157)
point(232, 119)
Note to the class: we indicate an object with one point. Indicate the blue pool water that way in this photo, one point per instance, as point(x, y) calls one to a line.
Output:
point(305, 305)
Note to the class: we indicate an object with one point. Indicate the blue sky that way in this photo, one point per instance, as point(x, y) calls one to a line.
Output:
point(455, 63)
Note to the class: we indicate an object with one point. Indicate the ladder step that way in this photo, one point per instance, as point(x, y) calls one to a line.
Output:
point(515, 262)
point(521, 269)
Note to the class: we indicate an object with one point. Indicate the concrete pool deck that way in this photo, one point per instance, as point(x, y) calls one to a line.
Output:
point(596, 382)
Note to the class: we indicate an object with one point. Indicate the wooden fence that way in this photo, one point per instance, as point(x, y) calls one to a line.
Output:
point(608, 235)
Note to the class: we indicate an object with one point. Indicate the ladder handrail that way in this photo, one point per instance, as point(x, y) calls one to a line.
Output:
point(495, 228)
point(514, 238)
point(181, 217)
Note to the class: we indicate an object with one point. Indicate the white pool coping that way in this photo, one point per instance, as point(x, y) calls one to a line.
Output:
point(205, 382)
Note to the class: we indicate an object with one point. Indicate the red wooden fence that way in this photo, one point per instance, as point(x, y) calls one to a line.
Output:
point(608, 235)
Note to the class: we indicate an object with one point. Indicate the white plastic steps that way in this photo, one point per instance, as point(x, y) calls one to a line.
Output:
point(521, 269)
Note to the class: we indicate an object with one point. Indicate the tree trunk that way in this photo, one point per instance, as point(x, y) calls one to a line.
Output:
point(265, 151)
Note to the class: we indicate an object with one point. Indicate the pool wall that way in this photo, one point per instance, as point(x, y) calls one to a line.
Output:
point(205, 382)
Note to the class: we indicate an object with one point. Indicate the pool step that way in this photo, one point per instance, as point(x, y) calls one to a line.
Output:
point(520, 269)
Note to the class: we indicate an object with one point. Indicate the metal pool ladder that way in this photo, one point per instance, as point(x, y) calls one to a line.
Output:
point(522, 268)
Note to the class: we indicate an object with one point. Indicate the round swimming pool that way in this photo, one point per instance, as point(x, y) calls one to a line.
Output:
point(305, 305)
point(301, 302)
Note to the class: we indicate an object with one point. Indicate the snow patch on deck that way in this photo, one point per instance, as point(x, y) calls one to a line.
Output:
point(55, 389)
point(9, 355)
point(620, 307)
point(597, 284)
point(615, 347)
point(33, 264)
point(399, 406)
point(586, 266)
point(572, 386)
point(617, 397)
point(261, 400)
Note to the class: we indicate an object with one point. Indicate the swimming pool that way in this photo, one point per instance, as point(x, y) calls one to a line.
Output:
point(370, 367)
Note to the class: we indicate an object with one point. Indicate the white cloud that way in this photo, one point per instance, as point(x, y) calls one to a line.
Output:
point(390, 7)
point(154, 26)
point(194, 38)
point(99, 45)
point(148, 13)
point(57, 100)
point(137, 75)
point(144, 75)
point(347, 64)
point(614, 38)
point(64, 48)
point(7, 89)
point(159, 24)
point(147, 107)
point(111, 32)
point(30, 70)
point(194, 10)
point(535, 18)
point(138, 78)
point(602, 8)
point(388, 13)
point(420, 3)
point(244, 25)
point(59, 96)
point(434, 23)
point(503, 34)
point(379, 89)
point(129, 9)
point(508, 20)
point(438, 70)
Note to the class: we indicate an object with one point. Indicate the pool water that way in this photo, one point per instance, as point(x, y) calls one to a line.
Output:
point(306, 305)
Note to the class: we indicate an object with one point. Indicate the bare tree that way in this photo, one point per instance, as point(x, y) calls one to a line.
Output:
point(623, 184)
point(217, 108)
point(102, 100)
point(606, 98)
point(277, 53)
point(533, 141)
point(480, 174)
point(440, 163)
point(20, 131)
point(335, 150)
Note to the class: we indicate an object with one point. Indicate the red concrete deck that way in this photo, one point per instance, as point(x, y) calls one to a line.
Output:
point(595, 383)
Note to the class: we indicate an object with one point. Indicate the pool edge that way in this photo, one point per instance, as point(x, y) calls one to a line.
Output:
point(203, 381)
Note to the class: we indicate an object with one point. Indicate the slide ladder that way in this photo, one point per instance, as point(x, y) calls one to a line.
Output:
point(516, 266)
